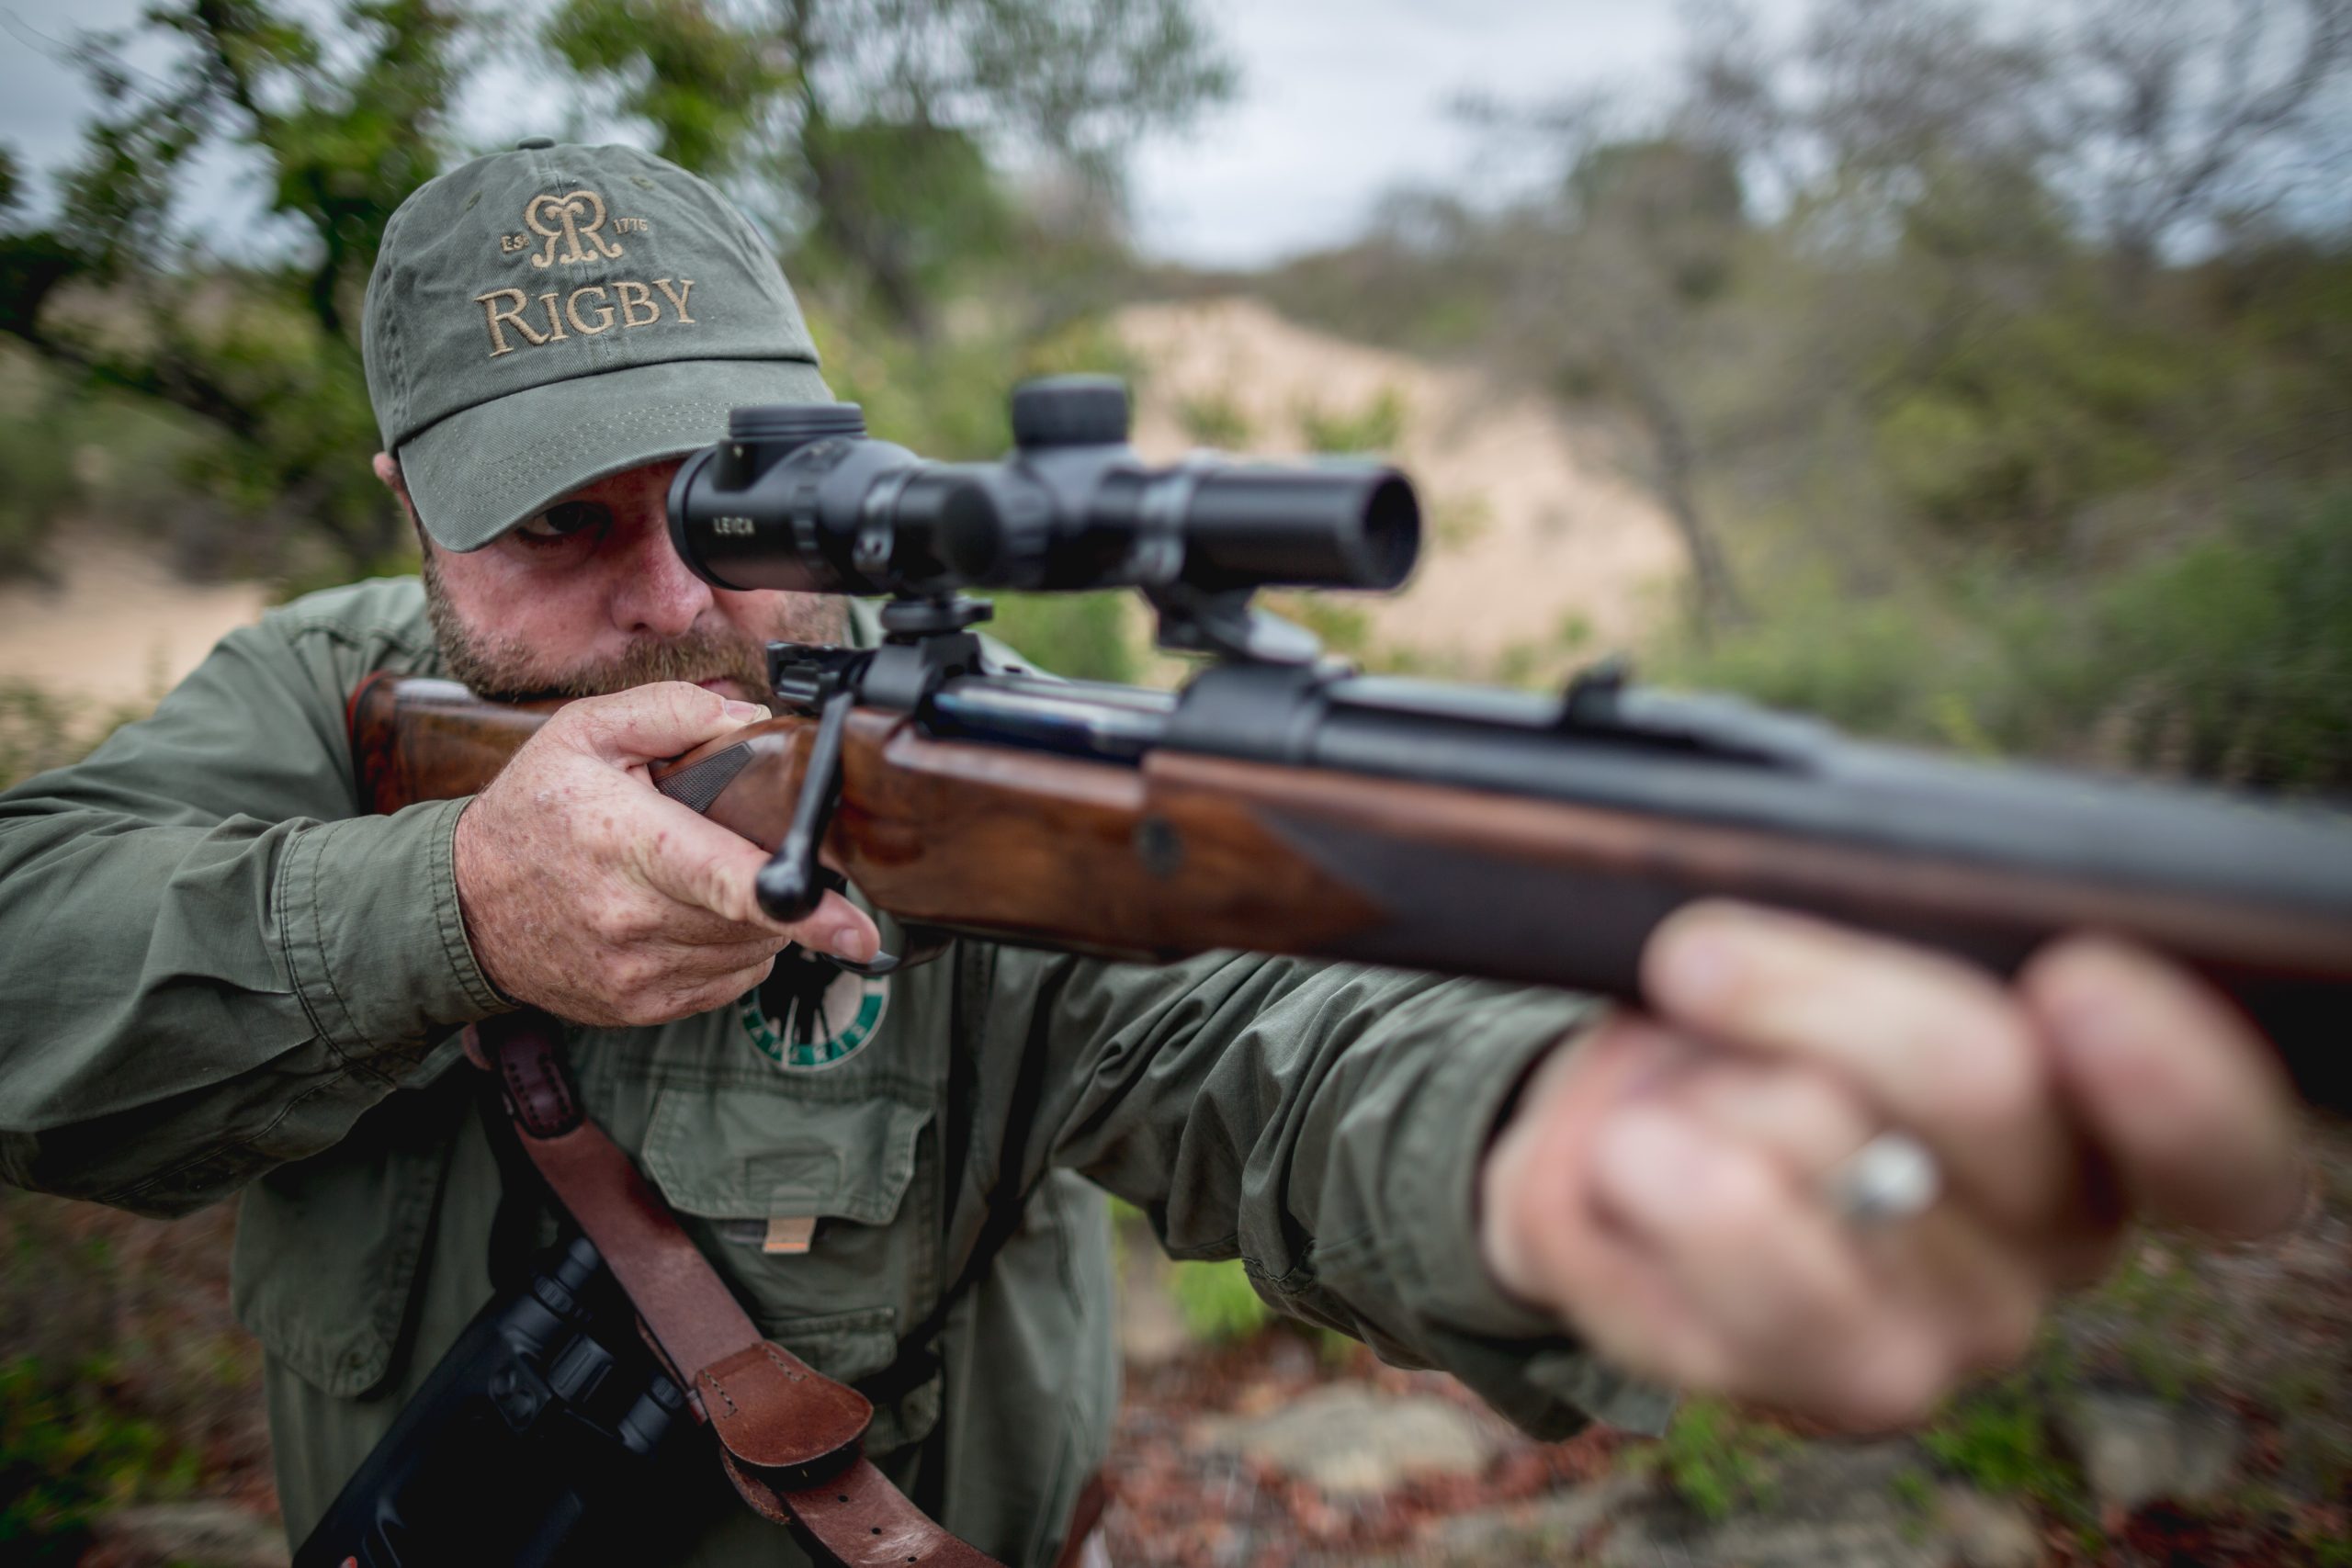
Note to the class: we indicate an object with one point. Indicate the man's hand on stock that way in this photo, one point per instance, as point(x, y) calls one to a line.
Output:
point(589, 895)
point(1667, 1185)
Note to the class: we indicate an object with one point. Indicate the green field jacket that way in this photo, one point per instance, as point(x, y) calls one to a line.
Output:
point(222, 978)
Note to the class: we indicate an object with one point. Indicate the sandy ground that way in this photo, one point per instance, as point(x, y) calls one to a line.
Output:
point(1532, 525)
point(116, 627)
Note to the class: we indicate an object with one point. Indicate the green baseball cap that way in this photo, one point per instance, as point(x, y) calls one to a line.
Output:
point(540, 319)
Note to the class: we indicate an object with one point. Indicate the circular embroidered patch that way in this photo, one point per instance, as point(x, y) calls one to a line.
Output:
point(821, 1031)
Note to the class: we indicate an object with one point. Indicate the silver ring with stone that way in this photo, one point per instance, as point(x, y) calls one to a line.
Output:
point(1891, 1178)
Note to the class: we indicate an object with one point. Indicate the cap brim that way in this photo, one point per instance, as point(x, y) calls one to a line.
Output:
point(478, 472)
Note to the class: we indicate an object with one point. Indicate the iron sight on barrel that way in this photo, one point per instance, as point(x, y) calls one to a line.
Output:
point(1282, 802)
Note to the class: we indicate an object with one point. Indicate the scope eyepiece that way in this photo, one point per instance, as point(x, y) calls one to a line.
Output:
point(798, 497)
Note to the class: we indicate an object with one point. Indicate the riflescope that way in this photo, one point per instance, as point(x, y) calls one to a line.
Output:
point(800, 497)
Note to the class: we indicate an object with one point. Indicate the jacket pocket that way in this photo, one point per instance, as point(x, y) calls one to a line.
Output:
point(756, 1177)
point(753, 1174)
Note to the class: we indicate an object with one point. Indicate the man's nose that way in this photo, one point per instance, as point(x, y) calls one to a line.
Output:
point(657, 595)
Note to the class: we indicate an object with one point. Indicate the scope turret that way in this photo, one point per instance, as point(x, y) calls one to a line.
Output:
point(800, 497)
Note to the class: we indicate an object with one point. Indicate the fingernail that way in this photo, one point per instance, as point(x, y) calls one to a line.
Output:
point(2084, 1024)
point(1652, 1163)
point(745, 713)
point(1664, 1060)
point(1698, 963)
point(2090, 1007)
point(854, 943)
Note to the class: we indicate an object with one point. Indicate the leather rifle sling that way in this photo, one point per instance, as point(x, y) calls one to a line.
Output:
point(788, 1435)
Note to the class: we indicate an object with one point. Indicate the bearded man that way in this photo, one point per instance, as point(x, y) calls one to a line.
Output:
point(222, 979)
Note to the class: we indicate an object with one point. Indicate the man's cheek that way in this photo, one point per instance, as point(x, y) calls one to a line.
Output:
point(775, 616)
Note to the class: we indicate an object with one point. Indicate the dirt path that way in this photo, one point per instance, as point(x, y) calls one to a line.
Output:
point(116, 627)
point(1527, 527)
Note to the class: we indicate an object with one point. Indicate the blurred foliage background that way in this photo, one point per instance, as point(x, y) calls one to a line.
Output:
point(1996, 381)
point(1995, 374)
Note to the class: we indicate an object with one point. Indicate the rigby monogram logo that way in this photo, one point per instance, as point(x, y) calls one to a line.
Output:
point(554, 218)
point(575, 221)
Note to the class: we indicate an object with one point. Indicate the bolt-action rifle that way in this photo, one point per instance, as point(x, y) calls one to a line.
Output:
point(1282, 803)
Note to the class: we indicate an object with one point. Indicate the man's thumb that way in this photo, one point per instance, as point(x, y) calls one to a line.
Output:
point(645, 724)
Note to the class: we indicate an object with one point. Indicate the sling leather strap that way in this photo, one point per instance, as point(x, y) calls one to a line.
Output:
point(788, 1435)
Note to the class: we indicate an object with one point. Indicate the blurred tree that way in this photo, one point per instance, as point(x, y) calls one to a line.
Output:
point(880, 139)
point(873, 127)
point(873, 132)
point(2155, 120)
point(1980, 390)
point(121, 287)
point(2180, 119)
point(1612, 288)
point(1949, 267)
point(1656, 225)
point(701, 82)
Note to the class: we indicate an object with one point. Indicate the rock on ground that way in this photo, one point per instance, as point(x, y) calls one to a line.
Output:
point(1547, 1530)
point(1348, 1439)
point(1151, 1330)
point(200, 1534)
point(1835, 1506)
point(2136, 1449)
point(1988, 1532)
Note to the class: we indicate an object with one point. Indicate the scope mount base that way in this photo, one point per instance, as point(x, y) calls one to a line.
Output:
point(1228, 626)
point(911, 617)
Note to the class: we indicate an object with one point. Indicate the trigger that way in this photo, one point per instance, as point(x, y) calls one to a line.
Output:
point(832, 881)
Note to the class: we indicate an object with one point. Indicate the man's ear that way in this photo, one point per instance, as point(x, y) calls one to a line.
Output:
point(387, 470)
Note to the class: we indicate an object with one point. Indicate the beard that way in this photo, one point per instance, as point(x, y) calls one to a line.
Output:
point(504, 669)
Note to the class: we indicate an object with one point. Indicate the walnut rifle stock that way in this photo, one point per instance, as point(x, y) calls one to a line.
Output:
point(1494, 837)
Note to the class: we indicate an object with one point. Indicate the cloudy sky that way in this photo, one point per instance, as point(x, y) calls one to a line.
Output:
point(1341, 98)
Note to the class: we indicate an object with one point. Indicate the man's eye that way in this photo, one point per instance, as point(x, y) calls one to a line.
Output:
point(564, 520)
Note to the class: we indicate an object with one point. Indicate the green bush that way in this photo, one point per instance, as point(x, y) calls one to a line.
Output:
point(1377, 427)
point(68, 1453)
point(2226, 658)
point(1082, 637)
point(34, 732)
point(1217, 1301)
point(1891, 667)
point(1717, 1462)
point(36, 466)
point(2029, 420)
point(1996, 1437)
point(1215, 420)
point(2230, 659)
point(948, 399)
point(1997, 1440)
point(39, 731)
point(125, 1377)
